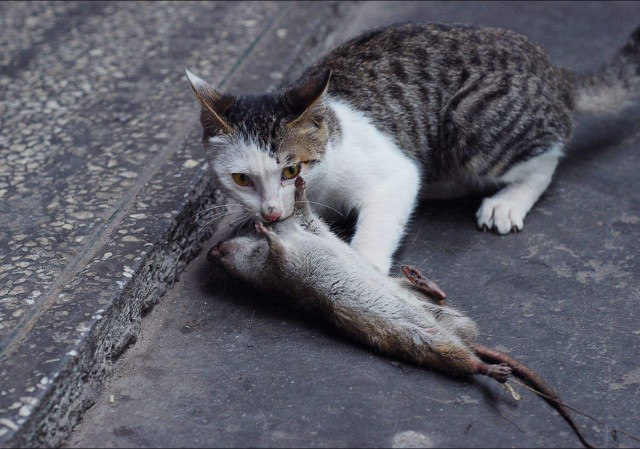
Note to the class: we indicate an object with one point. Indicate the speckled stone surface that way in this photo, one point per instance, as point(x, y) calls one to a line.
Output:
point(102, 178)
point(220, 366)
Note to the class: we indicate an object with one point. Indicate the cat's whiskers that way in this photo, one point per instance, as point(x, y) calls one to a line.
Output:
point(311, 176)
point(322, 204)
point(242, 224)
point(209, 209)
point(218, 217)
point(226, 212)
point(244, 217)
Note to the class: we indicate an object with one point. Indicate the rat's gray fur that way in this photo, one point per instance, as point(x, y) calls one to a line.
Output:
point(309, 263)
point(401, 317)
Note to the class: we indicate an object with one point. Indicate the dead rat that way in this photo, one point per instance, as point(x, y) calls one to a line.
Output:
point(401, 317)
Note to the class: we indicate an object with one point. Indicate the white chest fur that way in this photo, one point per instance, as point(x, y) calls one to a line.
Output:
point(368, 172)
point(364, 159)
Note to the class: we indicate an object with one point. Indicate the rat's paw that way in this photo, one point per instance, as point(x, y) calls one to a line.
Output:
point(499, 372)
point(262, 229)
point(501, 215)
point(300, 183)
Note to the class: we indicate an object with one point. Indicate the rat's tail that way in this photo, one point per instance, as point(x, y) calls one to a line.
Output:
point(535, 381)
point(612, 88)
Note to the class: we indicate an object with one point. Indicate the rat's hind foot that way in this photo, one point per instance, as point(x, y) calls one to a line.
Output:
point(427, 286)
point(499, 372)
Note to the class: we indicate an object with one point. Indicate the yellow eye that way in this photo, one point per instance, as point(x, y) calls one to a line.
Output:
point(241, 179)
point(291, 172)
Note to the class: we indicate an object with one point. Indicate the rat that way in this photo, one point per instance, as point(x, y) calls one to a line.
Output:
point(404, 317)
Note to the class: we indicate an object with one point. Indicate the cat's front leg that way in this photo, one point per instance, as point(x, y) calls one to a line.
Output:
point(383, 216)
point(504, 212)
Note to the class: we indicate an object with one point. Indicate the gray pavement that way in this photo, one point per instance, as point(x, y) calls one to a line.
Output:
point(216, 364)
point(102, 177)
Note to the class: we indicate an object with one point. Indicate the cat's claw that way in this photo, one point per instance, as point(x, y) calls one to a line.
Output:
point(500, 216)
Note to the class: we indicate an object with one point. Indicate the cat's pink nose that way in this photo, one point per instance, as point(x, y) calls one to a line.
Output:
point(272, 217)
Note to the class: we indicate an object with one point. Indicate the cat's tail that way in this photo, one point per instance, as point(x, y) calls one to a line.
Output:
point(615, 86)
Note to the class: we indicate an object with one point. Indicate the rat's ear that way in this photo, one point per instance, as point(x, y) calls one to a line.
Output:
point(304, 100)
point(213, 104)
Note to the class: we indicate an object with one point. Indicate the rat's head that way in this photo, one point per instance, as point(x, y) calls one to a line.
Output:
point(258, 145)
point(245, 257)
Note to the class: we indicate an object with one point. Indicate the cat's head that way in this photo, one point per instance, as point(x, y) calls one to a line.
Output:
point(258, 145)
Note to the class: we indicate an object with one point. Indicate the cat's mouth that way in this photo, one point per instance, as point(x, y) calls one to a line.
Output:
point(271, 218)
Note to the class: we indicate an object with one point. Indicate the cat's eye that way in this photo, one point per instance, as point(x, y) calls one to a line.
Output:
point(291, 172)
point(242, 179)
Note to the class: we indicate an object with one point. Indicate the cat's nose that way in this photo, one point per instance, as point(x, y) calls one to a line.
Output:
point(272, 217)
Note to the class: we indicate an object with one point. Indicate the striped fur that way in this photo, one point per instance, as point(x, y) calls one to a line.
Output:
point(409, 110)
point(470, 100)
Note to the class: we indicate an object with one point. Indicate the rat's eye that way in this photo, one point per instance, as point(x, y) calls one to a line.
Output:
point(291, 172)
point(241, 179)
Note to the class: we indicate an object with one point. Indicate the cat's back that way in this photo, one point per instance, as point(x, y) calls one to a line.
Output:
point(408, 79)
point(420, 54)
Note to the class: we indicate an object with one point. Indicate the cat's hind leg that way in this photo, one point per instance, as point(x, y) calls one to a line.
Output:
point(505, 211)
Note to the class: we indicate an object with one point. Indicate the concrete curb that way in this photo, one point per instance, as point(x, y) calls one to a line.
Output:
point(142, 251)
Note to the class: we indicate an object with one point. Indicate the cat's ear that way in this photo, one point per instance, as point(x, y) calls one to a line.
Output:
point(213, 103)
point(304, 99)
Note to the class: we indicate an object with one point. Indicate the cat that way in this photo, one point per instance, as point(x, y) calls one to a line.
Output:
point(406, 112)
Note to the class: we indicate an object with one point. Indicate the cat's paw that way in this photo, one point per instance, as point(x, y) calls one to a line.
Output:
point(500, 215)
